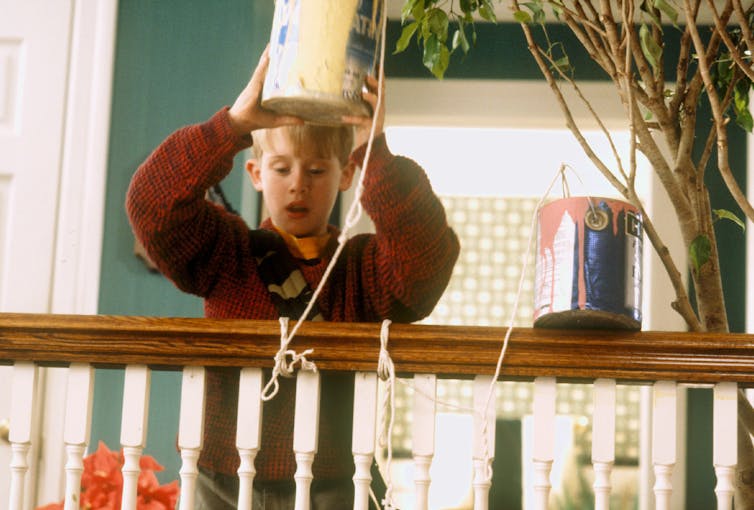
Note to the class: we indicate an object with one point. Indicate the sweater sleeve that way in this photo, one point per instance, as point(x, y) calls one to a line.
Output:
point(183, 233)
point(408, 262)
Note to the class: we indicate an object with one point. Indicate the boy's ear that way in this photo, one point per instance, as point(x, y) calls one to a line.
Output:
point(346, 177)
point(254, 169)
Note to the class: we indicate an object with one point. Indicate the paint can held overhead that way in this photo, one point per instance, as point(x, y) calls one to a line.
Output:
point(589, 264)
point(320, 54)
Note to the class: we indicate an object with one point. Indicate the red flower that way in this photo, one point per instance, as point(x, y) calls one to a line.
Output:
point(102, 484)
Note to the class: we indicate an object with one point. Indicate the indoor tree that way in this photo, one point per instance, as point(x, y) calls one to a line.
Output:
point(627, 40)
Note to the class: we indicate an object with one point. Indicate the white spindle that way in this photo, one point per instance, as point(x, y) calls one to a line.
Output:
point(133, 429)
point(423, 434)
point(305, 434)
point(544, 438)
point(248, 435)
point(664, 405)
point(483, 440)
point(78, 412)
point(603, 440)
point(364, 433)
point(190, 432)
point(23, 387)
point(724, 442)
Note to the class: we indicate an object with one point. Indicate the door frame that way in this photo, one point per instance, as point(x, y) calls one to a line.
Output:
point(81, 209)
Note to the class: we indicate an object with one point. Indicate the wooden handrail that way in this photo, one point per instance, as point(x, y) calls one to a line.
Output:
point(457, 351)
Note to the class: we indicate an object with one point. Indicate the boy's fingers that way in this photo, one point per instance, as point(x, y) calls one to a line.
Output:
point(287, 120)
point(355, 119)
point(264, 62)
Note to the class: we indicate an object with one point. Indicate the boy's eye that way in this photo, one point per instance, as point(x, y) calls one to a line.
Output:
point(316, 171)
point(282, 170)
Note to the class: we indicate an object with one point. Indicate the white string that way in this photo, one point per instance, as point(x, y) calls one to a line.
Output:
point(352, 218)
point(514, 311)
point(386, 372)
point(283, 366)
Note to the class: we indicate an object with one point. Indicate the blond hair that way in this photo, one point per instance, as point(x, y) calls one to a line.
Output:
point(327, 141)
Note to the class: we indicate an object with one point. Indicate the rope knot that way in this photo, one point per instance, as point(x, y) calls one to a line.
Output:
point(385, 367)
point(283, 366)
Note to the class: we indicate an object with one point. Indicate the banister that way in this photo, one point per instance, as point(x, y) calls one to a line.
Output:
point(458, 351)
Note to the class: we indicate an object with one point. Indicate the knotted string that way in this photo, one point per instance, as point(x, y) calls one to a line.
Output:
point(283, 366)
point(386, 372)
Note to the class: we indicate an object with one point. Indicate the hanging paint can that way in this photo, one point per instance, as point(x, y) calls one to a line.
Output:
point(320, 54)
point(588, 268)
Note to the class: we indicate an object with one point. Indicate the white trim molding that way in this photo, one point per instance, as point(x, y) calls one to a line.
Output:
point(85, 152)
point(81, 209)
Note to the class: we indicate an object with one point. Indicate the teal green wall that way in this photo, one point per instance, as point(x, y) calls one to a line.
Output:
point(176, 63)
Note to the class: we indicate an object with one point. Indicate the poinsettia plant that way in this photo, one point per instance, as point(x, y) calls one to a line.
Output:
point(102, 484)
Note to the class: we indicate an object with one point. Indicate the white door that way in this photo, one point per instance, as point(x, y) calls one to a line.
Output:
point(35, 39)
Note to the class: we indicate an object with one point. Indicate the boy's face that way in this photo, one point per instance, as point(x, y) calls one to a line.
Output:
point(299, 186)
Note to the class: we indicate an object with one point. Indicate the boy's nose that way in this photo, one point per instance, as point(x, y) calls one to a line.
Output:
point(299, 180)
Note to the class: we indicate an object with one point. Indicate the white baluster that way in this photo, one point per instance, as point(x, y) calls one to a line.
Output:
point(190, 432)
point(603, 440)
point(305, 434)
point(133, 429)
point(544, 438)
point(664, 416)
point(364, 433)
point(248, 435)
point(724, 442)
point(423, 433)
point(78, 412)
point(24, 387)
point(483, 440)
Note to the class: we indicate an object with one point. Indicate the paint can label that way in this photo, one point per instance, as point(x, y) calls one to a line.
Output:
point(589, 264)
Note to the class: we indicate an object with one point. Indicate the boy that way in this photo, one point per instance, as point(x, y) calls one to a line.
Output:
point(398, 273)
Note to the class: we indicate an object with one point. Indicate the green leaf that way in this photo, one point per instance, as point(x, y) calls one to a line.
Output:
point(442, 64)
point(724, 214)
point(487, 11)
point(522, 17)
point(741, 105)
point(438, 23)
point(563, 64)
point(408, 9)
point(700, 251)
point(537, 10)
point(406, 34)
point(557, 8)
point(667, 9)
point(647, 7)
point(459, 38)
point(419, 11)
point(436, 56)
point(649, 47)
point(468, 6)
point(745, 120)
point(559, 57)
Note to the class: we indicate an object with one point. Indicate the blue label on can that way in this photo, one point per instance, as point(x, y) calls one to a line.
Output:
point(362, 46)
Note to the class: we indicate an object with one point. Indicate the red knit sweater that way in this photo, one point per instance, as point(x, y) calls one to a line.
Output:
point(398, 273)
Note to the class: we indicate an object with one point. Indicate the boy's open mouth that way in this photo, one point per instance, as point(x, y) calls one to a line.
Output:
point(297, 208)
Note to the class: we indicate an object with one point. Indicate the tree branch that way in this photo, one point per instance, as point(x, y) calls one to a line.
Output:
point(743, 23)
point(682, 304)
point(722, 135)
point(735, 54)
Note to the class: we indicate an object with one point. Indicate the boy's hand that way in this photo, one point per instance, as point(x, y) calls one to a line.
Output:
point(247, 113)
point(364, 124)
